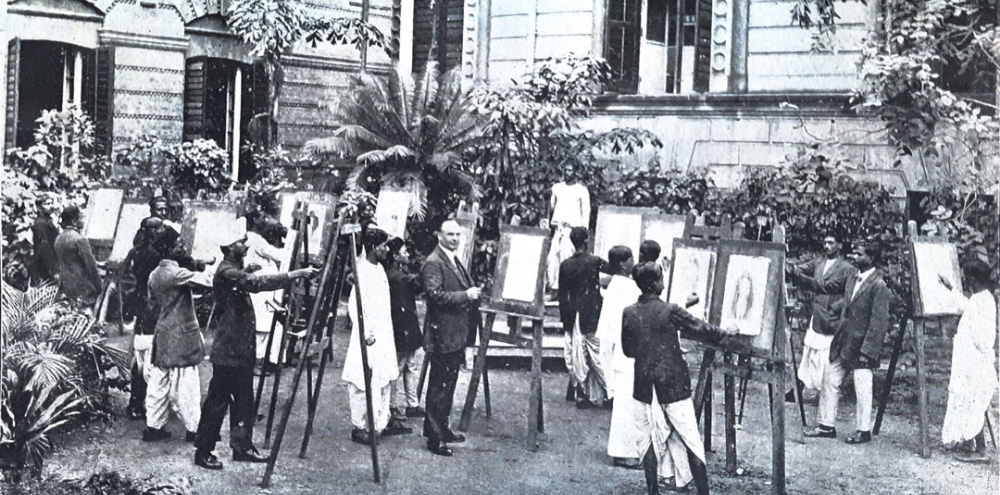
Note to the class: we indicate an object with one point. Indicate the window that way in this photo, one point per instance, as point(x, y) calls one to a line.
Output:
point(224, 101)
point(656, 20)
point(621, 48)
point(47, 75)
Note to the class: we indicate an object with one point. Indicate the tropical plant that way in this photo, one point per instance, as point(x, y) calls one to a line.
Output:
point(194, 168)
point(54, 365)
point(405, 133)
point(967, 217)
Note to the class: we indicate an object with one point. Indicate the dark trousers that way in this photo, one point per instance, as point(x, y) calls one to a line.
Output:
point(441, 392)
point(137, 391)
point(231, 388)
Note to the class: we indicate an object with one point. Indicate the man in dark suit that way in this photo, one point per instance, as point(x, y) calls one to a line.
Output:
point(650, 330)
point(79, 278)
point(44, 265)
point(864, 315)
point(579, 309)
point(826, 277)
point(452, 302)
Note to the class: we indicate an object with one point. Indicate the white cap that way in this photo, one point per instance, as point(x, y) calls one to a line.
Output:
point(231, 232)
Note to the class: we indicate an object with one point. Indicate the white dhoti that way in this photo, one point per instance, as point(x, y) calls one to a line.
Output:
point(815, 359)
point(142, 350)
point(973, 376)
point(359, 408)
point(682, 437)
point(560, 249)
point(264, 315)
point(173, 388)
point(575, 355)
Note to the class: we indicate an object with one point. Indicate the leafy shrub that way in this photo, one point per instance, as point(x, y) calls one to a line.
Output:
point(102, 483)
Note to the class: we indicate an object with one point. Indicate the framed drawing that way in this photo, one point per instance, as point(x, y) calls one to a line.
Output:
point(519, 280)
point(619, 226)
point(133, 212)
point(392, 210)
point(933, 258)
point(102, 214)
point(746, 290)
point(467, 247)
point(692, 273)
point(205, 222)
point(322, 210)
point(663, 229)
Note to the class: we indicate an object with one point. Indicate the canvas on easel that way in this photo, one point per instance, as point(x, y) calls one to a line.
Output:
point(133, 212)
point(934, 258)
point(204, 224)
point(619, 226)
point(664, 229)
point(692, 273)
point(519, 281)
point(101, 216)
point(392, 210)
point(321, 210)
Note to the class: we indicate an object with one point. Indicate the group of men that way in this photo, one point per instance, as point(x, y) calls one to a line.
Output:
point(622, 339)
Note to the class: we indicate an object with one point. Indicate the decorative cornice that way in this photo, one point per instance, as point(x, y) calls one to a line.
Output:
point(150, 116)
point(339, 64)
point(802, 104)
point(210, 32)
point(153, 94)
point(33, 10)
point(166, 43)
point(140, 68)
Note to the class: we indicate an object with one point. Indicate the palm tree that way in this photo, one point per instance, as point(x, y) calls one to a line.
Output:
point(406, 133)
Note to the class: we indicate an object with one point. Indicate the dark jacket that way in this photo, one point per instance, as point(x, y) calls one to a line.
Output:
point(403, 290)
point(142, 260)
point(451, 314)
point(650, 335)
point(580, 292)
point(44, 264)
point(864, 321)
point(235, 322)
point(828, 289)
point(177, 342)
point(78, 275)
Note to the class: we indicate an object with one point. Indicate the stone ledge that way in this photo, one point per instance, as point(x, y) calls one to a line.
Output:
point(786, 104)
point(166, 43)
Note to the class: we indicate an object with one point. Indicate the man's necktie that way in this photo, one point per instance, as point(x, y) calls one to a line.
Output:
point(461, 269)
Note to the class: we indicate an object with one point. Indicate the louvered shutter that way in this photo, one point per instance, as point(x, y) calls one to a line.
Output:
point(621, 49)
point(702, 45)
point(13, 80)
point(104, 101)
point(195, 78)
point(262, 129)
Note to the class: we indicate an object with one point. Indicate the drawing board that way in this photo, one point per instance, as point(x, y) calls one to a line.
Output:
point(664, 229)
point(519, 280)
point(130, 218)
point(205, 224)
point(322, 210)
point(392, 210)
point(746, 291)
point(933, 258)
point(102, 214)
point(619, 226)
point(692, 272)
point(467, 246)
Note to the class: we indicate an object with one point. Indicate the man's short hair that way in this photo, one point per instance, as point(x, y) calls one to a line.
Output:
point(976, 270)
point(372, 238)
point(158, 199)
point(618, 255)
point(70, 215)
point(395, 245)
point(649, 250)
point(646, 276)
point(445, 220)
point(579, 236)
point(164, 239)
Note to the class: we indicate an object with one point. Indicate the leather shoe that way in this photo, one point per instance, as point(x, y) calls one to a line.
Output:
point(415, 412)
point(859, 437)
point(207, 460)
point(253, 455)
point(821, 432)
point(360, 436)
point(395, 427)
point(452, 437)
point(439, 448)
point(154, 434)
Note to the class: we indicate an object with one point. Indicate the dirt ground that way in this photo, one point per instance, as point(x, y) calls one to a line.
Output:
point(571, 459)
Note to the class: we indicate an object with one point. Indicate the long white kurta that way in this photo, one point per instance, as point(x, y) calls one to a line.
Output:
point(263, 254)
point(634, 425)
point(378, 323)
point(973, 376)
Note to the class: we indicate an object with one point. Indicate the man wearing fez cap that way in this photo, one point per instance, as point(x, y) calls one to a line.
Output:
point(79, 278)
point(864, 318)
point(233, 353)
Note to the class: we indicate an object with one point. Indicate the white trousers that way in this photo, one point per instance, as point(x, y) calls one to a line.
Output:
point(142, 350)
point(173, 388)
point(829, 396)
point(359, 409)
point(409, 376)
point(264, 315)
point(815, 359)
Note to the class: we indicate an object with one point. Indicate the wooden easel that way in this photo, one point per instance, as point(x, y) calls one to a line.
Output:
point(514, 311)
point(737, 362)
point(322, 319)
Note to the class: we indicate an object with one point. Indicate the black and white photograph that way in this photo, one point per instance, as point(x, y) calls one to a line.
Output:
point(567, 247)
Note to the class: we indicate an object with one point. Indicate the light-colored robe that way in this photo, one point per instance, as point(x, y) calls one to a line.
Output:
point(973, 375)
point(378, 323)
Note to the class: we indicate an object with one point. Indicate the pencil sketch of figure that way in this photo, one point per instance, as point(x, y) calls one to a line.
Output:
point(743, 298)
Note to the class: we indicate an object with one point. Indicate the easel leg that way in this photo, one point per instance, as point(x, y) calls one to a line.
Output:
point(778, 432)
point(274, 397)
point(922, 389)
point(311, 415)
point(897, 347)
point(708, 411)
point(796, 390)
point(478, 371)
point(535, 401)
point(729, 387)
point(279, 435)
point(267, 357)
point(702, 385)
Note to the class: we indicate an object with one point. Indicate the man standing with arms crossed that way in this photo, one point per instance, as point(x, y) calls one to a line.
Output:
point(452, 311)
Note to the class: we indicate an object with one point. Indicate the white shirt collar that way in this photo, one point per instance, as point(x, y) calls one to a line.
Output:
point(451, 254)
point(864, 276)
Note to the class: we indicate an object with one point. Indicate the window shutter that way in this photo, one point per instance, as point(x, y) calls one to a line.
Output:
point(104, 101)
point(262, 129)
point(195, 77)
point(702, 45)
point(13, 80)
point(621, 49)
